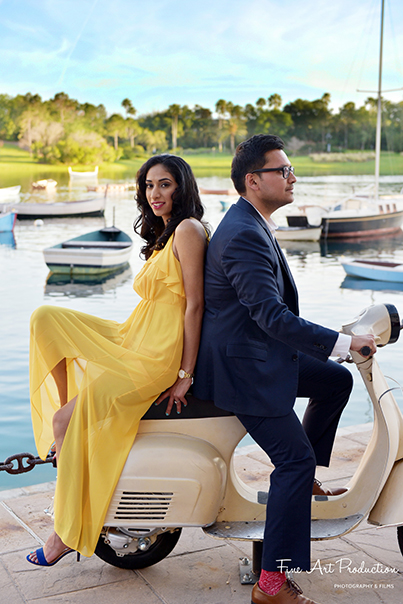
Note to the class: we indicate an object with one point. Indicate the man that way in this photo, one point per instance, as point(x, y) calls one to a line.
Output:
point(256, 355)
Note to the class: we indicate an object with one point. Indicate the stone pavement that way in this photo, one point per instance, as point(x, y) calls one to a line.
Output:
point(200, 570)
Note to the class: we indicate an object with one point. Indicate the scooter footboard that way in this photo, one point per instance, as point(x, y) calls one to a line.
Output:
point(389, 505)
point(168, 480)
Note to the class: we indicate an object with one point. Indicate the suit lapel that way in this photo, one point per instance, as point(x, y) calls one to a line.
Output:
point(245, 205)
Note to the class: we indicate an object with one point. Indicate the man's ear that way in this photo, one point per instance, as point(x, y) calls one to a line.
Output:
point(251, 181)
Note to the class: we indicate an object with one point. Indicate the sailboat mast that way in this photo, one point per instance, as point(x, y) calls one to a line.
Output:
point(379, 112)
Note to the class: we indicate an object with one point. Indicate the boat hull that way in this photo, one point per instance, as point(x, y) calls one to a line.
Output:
point(298, 234)
point(377, 271)
point(62, 209)
point(7, 222)
point(362, 226)
point(98, 252)
point(7, 192)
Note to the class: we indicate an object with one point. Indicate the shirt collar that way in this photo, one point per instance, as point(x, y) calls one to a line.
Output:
point(271, 225)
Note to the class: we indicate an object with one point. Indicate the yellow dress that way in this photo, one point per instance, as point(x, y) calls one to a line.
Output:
point(117, 371)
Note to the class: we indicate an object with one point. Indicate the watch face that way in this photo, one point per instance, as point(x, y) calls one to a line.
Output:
point(181, 374)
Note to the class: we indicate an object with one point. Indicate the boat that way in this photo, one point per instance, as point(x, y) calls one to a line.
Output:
point(84, 286)
point(359, 284)
point(46, 184)
point(225, 205)
point(110, 188)
point(7, 222)
point(363, 215)
point(98, 252)
point(7, 192)
point(307, 233)
point(60, 209)
point(217, 191)
point(378, 270)
point(93, 174)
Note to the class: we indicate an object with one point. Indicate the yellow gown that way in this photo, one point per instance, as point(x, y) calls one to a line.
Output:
point(117, 371)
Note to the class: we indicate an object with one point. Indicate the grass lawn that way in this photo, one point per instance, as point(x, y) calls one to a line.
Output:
point(17, 164)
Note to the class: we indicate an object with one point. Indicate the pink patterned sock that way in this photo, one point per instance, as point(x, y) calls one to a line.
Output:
point(271, 582)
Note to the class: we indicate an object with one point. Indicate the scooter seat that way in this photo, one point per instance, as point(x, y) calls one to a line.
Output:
point(196, 409)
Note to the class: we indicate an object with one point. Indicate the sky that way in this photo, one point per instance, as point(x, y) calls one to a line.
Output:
point(159, 52)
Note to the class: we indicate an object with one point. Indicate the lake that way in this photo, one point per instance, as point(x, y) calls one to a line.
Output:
point(326, 296)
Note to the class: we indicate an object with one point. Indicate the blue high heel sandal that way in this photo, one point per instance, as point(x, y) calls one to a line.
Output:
point(41, 560)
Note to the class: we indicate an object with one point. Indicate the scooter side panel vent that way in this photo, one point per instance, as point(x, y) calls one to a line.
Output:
point(143, 506)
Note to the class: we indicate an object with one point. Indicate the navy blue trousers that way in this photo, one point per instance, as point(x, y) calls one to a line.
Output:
point(295, 449)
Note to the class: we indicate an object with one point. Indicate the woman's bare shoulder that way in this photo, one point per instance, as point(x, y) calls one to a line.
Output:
point(189, 228)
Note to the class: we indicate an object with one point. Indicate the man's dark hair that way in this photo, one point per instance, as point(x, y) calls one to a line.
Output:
point(250, 155)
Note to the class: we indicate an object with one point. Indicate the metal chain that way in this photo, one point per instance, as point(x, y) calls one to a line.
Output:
point(31, 461)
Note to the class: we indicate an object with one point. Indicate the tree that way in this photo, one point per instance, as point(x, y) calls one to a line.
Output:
point(128, 107)
point(275, 101)
point(236, 124)
point(221, 109)
point(174, 112)
point(63, 105)
point(115, 127)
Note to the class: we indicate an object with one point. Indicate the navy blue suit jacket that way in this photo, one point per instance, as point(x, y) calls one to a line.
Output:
point(252, 334)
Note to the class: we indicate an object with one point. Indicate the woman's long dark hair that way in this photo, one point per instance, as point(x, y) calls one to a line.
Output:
point(185, 202)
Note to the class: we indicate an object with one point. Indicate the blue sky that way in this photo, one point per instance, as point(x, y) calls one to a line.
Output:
point(158, 52)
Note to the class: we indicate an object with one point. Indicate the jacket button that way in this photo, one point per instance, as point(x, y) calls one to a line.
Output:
point(295, 357)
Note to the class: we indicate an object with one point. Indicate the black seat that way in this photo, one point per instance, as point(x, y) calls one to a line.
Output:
point(196, 409)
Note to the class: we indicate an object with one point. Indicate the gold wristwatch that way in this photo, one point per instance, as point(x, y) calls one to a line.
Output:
point(182, 374)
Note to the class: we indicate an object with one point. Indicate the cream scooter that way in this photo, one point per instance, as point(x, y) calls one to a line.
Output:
point(180, 473)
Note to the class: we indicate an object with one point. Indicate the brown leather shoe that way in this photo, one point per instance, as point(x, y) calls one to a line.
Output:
point(319, 489)
point(290, 593)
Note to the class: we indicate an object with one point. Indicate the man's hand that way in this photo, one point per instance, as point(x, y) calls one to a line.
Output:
point(358, 342)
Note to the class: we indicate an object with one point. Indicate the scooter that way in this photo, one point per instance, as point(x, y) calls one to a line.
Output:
point(180, 473)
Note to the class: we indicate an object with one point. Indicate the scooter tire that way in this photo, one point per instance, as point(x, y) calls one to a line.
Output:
point(159, 550)
point(400, 538)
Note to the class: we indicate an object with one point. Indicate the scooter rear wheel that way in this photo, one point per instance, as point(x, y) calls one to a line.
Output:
point(163, 545)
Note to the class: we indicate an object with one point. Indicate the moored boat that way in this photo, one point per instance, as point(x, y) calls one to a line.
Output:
point(61, 209)
point(90, 174)
point(378, 270)
point(47, 184)
point(97, 252)
point(306, 233)
point(360, 216)
point(7, 222)
point(7, 192)
point(217, 191)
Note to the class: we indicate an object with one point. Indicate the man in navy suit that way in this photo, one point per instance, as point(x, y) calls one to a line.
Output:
point(257, 355)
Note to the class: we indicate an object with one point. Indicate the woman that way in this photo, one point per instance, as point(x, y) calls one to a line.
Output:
point(108, 374)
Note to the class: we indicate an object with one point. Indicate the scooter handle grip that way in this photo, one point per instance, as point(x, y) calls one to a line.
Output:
point(365, 351)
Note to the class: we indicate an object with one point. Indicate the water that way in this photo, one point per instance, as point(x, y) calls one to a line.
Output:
point(326, 296)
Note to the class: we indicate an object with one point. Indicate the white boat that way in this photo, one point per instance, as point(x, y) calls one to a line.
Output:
point(360, 216)
point(47, 184)
point(79, 208)
point(93, 174)
point(307, 233)
point(8, 192)
point(217, 191)
point(111, 188)
point(378, 270)
point(99, 252)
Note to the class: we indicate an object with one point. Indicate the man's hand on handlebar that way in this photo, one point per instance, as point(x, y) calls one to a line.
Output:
point(365, 345)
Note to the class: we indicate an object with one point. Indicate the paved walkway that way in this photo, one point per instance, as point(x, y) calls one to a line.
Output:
point(200, 570)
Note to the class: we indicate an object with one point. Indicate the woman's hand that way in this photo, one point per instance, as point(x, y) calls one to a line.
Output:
point(176, 394)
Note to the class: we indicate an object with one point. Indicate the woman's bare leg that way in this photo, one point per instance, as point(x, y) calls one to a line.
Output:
point(59, 373)
point(61, 420)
